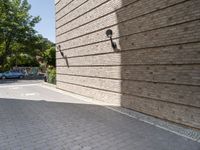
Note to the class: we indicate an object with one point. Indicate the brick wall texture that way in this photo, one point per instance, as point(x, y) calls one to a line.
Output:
point(156, 66)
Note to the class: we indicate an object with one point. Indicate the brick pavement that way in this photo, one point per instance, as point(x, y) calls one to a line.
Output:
point(34, 123)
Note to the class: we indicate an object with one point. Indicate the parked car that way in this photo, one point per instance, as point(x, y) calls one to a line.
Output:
point(12, 75)
point(1, 75)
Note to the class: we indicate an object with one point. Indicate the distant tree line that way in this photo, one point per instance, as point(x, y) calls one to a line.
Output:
point(20, 45)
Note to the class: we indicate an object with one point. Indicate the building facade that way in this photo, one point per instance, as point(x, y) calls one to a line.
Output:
point(155, 68)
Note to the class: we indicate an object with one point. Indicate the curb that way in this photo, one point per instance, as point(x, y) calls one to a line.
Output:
point(49, 84)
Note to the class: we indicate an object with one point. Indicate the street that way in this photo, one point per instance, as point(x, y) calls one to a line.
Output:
point(34, 117)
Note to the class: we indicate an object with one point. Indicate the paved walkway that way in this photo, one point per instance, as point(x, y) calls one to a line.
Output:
point(31, 118)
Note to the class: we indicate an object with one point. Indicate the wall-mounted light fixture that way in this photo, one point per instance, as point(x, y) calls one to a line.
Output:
point(62, 54)
point(59, 48)
point(109, 34)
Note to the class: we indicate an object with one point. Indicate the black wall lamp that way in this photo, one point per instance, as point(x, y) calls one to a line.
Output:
point(109, 34)
point(59, 48)
point(62, 54)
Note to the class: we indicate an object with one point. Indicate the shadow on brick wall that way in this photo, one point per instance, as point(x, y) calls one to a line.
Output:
point(153, 42)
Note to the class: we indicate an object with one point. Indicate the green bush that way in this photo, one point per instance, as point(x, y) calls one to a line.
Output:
point(51, 75)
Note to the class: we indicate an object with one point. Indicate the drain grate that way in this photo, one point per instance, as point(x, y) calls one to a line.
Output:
point(169, 126)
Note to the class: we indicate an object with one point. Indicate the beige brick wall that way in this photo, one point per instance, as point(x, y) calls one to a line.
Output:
point(156, 68)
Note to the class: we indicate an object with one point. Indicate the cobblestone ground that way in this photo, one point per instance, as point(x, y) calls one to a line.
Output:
point(31, 118)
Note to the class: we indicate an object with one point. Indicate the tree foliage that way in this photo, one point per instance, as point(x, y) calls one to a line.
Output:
point(49, 56)
point(19, 42)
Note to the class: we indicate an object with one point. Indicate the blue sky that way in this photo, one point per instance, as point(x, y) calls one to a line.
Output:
point(44, 9)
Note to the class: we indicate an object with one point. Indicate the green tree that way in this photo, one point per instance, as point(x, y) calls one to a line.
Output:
point(50, 56)
point(16, 28)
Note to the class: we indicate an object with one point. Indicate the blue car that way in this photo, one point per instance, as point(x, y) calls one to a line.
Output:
point(12, 75)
